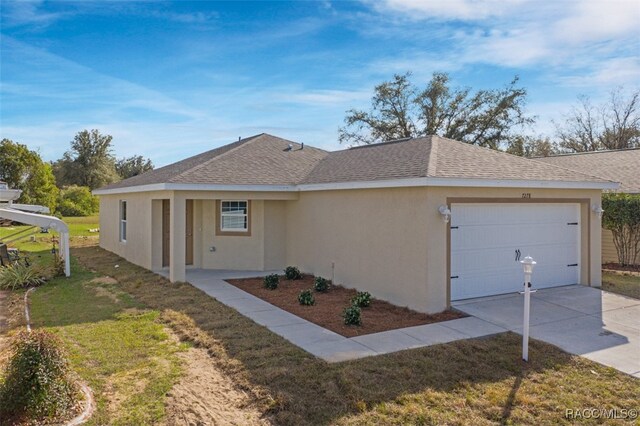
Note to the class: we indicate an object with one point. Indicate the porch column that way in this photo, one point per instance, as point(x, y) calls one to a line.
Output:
point(177, 238)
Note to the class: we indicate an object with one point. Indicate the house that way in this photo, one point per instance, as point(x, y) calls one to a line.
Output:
point(418, 222)
point(620, 165)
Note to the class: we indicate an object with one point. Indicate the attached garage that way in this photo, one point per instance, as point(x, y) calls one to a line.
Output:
point(489, 239)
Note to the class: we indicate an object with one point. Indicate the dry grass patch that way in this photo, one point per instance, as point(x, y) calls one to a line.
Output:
point(328, 307)
point(474, 382)
point(625, 283)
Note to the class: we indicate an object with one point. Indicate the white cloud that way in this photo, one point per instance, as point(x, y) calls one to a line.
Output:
point(324, 97)
point(468, 10)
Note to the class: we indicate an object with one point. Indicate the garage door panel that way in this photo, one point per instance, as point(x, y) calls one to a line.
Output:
point(510, 214)
point(485, 237)
point(495, 236)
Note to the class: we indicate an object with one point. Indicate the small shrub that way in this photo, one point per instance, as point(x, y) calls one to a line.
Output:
point(58, 266)
point(292, 273)
point(37, 384)
point(321, 284)
point(271, 281)
point(20, 275)
point(306, 298)
point(352, 315)
point(362, 299)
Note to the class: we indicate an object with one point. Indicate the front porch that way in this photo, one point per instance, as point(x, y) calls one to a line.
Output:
point(234, 232)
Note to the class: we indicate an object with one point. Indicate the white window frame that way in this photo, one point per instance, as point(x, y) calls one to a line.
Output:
point(122, 220)
point(227, 214)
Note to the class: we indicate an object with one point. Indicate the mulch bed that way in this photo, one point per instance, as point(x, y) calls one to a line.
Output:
point(327, 311)
point(618, 267)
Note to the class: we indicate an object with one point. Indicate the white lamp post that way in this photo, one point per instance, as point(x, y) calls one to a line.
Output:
point(527, 264)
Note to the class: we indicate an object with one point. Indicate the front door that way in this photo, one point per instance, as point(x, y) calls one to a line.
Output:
point(166, 232)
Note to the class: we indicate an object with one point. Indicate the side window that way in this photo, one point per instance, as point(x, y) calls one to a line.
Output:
point(123, 221)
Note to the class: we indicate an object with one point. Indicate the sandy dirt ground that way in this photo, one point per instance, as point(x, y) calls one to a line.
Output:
point(206, 396)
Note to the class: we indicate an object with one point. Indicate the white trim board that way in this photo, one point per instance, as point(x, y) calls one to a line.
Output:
point(393, 183)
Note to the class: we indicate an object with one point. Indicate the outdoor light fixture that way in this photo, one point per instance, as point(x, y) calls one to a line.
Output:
point(597, 210)
point(445, 212)
point(527, 265)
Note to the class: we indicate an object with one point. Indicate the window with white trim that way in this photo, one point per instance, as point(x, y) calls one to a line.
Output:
point(234, 216)
point(123, 221)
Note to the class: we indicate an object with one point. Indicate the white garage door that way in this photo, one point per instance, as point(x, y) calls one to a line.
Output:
point(488, 240)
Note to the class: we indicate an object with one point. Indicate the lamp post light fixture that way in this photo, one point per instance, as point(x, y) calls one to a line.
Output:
point(597, 210)
point(527, 265)
point(445, 212)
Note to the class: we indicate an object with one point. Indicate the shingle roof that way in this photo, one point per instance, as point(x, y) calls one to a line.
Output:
point(434, 156)
point(258, 160)
point(621, 166)
point(265, 160)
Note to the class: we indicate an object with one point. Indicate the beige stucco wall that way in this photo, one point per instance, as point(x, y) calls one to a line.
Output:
point(138, 247)
point(609, 253)
point(390, 242)
point(376, 238)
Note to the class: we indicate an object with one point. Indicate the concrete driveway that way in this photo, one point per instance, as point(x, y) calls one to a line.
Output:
point(601, 326)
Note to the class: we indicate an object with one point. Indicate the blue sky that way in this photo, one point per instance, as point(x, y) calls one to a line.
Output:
point(171, 79)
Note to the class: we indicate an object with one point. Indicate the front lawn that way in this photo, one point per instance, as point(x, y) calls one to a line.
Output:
point(623, 283)
point(116, 345)
point(479, 381)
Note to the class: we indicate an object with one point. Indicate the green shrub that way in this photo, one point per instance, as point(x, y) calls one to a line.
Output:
point(321, 284)
point(20, 275)
point(292, 273)
point(77, 201)
point(362, 299)
point(36, 384)
point(352, 315)
point(622, 217)
point(306, 298)
point(271, 281)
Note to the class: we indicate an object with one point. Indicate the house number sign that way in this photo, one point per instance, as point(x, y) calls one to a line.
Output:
point(526, 195)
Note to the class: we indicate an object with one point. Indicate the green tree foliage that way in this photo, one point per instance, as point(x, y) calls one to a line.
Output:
point(622, 217)
point(88, 163)
point(133, 166)
point(614, 124)
point(400, 109)
point(24, 169)
point(530, 147)
point(77, 201)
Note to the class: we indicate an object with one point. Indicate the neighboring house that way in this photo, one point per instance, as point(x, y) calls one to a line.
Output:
point(620, 166)
point(374, 217)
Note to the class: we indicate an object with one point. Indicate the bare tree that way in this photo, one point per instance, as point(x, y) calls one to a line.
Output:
point(613, 125)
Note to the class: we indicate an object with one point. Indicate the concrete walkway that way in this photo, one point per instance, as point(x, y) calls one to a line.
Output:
point(599, 325)
point(323, 343)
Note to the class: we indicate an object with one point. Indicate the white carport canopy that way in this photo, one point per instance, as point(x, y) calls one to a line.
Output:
point(48, 222)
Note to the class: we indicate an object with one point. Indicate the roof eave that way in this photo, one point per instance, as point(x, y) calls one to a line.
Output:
point(391, 183)
point(194, 187)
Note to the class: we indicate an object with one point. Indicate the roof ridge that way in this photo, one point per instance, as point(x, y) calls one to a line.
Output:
point(432, 162)
point(523, 158)
point(244, 141)
point(568, 154)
